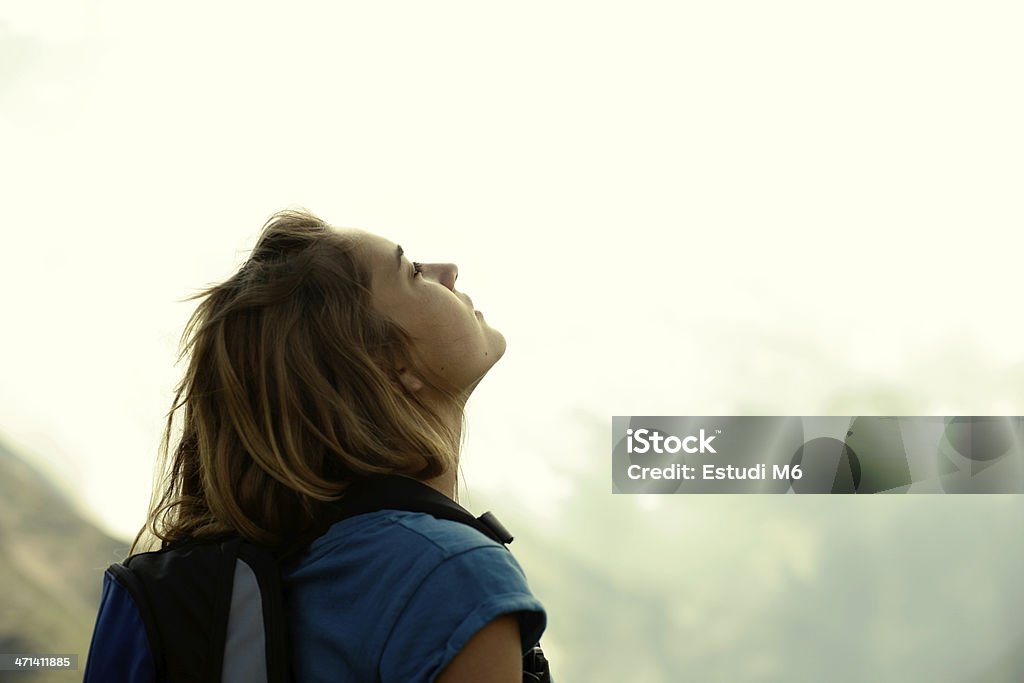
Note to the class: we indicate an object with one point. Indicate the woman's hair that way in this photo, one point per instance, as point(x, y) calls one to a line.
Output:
point(289, 394)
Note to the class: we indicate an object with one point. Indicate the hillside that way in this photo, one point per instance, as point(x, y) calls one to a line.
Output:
point(51, 569)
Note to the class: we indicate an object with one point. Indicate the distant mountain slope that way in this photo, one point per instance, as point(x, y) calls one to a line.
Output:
point(51, 569)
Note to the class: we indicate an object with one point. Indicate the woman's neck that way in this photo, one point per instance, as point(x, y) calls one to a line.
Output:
point(452, 414)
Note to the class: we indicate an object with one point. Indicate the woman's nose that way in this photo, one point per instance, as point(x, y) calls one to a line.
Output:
point(446, 273)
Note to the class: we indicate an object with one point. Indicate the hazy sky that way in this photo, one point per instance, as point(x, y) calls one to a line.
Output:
point(668, 208)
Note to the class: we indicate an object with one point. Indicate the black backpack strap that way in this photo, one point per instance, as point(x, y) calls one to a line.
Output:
point(385, 492)
point(275, 618)
point(390, 492)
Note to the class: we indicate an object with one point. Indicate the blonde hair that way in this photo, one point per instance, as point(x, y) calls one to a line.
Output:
point(289, 394)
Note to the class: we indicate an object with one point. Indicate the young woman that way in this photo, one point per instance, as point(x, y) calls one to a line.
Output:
point(327, 359)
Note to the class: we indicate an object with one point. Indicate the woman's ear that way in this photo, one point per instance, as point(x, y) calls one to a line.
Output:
point(407, 382)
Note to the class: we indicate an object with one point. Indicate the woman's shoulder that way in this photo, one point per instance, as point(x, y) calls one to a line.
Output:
point(409, 589)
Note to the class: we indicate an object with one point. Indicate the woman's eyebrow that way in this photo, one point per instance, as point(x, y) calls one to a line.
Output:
point(398, 256)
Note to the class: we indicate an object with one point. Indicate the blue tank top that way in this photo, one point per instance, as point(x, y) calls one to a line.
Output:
point(392, 596)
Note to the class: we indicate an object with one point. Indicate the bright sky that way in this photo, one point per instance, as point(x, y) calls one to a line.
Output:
point(668, 208)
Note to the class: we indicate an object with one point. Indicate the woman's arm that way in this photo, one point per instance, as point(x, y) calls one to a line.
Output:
point(492, 655)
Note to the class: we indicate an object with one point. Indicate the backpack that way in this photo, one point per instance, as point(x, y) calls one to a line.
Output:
point(213, 611)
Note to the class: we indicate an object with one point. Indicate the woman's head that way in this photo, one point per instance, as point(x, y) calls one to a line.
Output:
point(454, 344)
point(323, 359)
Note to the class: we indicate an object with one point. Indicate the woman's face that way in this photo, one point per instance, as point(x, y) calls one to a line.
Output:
point(450, 339)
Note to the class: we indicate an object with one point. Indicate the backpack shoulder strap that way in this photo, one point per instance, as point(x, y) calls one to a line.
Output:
point(260, 561)
point(390, 492)
point(387, 492)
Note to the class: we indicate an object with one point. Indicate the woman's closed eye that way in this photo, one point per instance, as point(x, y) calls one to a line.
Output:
point(417, 268)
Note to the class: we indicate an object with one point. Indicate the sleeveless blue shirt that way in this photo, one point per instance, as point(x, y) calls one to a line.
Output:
point(392, 596)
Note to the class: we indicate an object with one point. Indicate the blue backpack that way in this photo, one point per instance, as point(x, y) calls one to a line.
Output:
point(213, 611)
